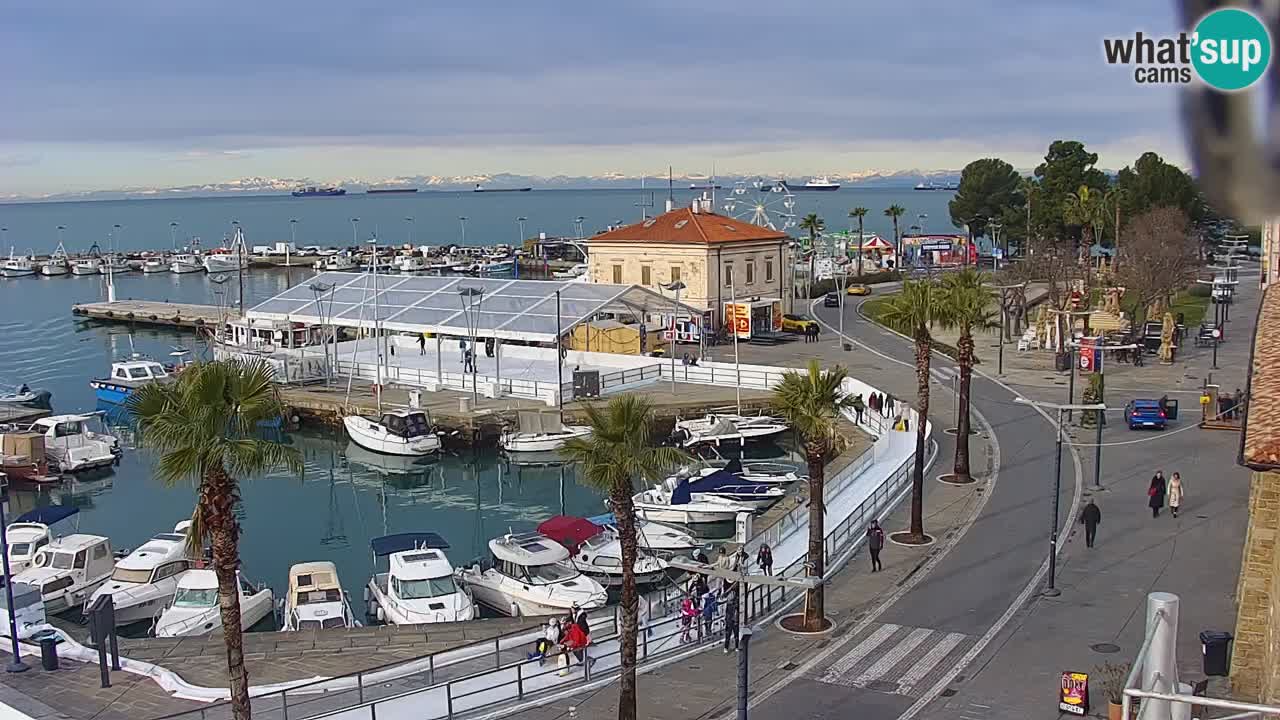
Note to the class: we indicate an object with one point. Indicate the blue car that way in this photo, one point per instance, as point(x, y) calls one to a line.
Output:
point(1146, 413)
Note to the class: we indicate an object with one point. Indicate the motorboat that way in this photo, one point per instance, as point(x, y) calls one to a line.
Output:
point(23, 457)
point(57, 264)
point(216, 262)
point(113, 264)
point(495, 267)
point(194, 610)
point(758, 473)
point(155, 264)
point(388, 464)
point(23, 395)
point(527, 575)
point(27, 611)
point(657, 539)
point(31, 531)
point(661, 504)
point(315, 599)
point(727, 486)
point(574, 272)
point(87, 265)
point(420, 586)
point(540, 432)
point(411, 264)
point(336, 262)
point(68, 570)
point(184, 263)
point(597, 553)
point(397, 432)
point(146, 579)
point(720, 428)
point(126, 377)
point(71, 446)
point(18, 265)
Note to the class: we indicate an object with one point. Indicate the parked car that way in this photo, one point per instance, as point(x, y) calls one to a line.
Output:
point(859, 289)
point(797, 323)
point(1145, 413)
point(831, 299)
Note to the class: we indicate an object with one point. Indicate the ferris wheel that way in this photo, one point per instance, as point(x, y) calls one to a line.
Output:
point(762, 202)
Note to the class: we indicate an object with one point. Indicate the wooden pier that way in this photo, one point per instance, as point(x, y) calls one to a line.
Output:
point(145, 312)
point(21, 414)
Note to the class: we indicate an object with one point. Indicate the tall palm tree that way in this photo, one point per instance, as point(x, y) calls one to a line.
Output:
point(913, 312)
point(894, 212)
point(1085, 208)
point(860, 213)
point(811, 402)
point(204, 425)
point(814, 225)
point(612, 459)
point(966, 306)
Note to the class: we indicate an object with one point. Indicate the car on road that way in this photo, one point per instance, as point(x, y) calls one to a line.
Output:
point(797, 323)
point(1145, 413)
point(831, 299)
point(859, 289)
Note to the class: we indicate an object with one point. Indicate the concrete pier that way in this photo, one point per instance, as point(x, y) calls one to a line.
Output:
point(146, 312)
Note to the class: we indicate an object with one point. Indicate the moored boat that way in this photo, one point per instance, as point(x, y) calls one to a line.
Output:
point(396, 432)
point(68, 570)
point(146, 579)
point(541, 432)
point(420, 585)
point(677, 505)
point(526, 575)
point(18, 265)
point(194, 610)
point(31, 531)
point(57, 264)
point(315, 599)
point(71, 446)
point(720, 428)
point(126, 377)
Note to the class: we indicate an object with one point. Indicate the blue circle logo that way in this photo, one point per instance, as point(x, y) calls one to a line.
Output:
point(1231, 49)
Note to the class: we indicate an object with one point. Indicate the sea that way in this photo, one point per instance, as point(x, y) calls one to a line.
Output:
point(345, 496)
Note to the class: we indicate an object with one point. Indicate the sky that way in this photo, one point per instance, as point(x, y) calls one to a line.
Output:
point(156, 93)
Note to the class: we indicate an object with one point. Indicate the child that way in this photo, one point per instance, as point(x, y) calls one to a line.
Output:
point(688, 615)
point(550, 636)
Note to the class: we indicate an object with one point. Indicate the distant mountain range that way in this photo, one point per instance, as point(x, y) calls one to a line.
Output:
point(455, 183)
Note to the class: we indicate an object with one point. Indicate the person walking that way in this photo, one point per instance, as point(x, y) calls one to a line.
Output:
point(875, 543)
point(731, 620)
point(858, 407)
point(422, 343)
point(1091, 517)
point(1175, 493)
point(889, 403)
point(688, 611)
point(874, 402)
point(709, 603)
point(1156, 493)
point(764, 558)
point(462, 350)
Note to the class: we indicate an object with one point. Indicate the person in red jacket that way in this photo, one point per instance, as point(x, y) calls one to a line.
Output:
point(575, 643)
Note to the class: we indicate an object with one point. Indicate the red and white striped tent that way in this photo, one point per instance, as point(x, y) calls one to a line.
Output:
point(876, 244)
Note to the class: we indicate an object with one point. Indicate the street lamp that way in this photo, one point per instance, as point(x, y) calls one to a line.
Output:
point(1051, 590)
point(355, 225)
point(409, 221)
point(320, 289)
point(462, 220)
point(293, 241)
point(675, 286)
point(922, 217)
point(1004, 251)
point(173, 236)
point(520, 222)
point(471, 298)
point(578, 221)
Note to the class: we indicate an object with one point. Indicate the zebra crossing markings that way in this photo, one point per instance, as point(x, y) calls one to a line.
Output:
point(861, 669)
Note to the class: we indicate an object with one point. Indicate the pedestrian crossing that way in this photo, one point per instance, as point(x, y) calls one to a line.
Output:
point(896, 659)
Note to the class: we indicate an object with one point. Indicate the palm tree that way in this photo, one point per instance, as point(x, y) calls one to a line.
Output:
point(913, 312)
point(812, 403)
point(204, 427)
point(814, 225)
point(1085, 208)
point(613, 458)
point(860, 213)
point(966, 306)
point(896, 211)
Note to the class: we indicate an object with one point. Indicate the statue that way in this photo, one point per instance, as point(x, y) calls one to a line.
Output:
point(1166, 340)
point(1111, 300)
point(1042, 327)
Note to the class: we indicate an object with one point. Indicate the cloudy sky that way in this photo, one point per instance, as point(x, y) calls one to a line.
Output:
point(100, 95)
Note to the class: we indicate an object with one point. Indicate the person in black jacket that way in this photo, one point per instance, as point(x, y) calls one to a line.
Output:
point(1156, 493)
point(1091, 517)
point(875, 543)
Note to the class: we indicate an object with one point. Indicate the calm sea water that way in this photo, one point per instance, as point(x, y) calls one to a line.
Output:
point(491, 217)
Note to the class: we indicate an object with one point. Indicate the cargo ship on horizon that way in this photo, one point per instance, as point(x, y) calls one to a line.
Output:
point(313, 191)
point(389, 191)
point(481, 188)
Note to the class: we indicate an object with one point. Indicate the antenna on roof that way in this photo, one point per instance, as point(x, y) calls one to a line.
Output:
point(644, 206)
point(670, 185)
point(713, 186)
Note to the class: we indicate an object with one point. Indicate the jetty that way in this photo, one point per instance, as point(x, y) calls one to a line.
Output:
point(21, 414)
point(147, 312)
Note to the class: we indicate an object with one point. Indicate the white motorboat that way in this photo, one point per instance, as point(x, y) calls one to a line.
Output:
point(195, 611)
point(411, 264)
point(146, 579)
point(225, 262)
point(71, 446)
point(527, 575)
point(719, 428)
point(397, 432)
point(57, 264)
point(184, 263)
point(155, 264)
point(23, 395)
point(761, 471)
point(541, 432)
point(678, 506)
point(722, 484)
point(657, 539)
point(87, 265)
point(597, 553)
point(420, 586)
point(114, 265)
point(576, 271)
point(27, 612)
point(68, 570)
point(18, 265)
point(336, 262)
point(315, 599)
point(30, 532)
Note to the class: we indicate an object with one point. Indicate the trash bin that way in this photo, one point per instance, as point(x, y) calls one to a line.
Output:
point(1062, 362)
point(1216, 646)
point(49, 653)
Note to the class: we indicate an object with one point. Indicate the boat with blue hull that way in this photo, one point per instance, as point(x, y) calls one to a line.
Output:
point(126, 377)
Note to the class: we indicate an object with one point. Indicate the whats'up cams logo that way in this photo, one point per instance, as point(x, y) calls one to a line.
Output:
point(1228, 49)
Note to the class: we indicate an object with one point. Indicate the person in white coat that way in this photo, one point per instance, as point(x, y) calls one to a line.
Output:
point(1176, 491)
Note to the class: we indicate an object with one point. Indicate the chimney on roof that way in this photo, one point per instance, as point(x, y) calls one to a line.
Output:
point(671, 204)
point(695, 205)
point(706, 204)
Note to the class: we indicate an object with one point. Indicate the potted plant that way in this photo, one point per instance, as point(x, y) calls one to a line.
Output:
point(1113, 678)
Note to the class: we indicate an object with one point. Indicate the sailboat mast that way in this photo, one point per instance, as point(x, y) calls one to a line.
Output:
point(377, 323)
point(737, 365)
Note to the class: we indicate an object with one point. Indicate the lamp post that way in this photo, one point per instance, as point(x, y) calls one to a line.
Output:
point(16, 665)
point(995, 228)
point(1058, 409)
point(471, 298)
point(675, 286)
point(320, 289)
point(173, 236)
point(355, 232)
point(578, 222)
point(293, 241)
point(409, 222)
point(921, 217)
point(462, 222)
point(520, 223)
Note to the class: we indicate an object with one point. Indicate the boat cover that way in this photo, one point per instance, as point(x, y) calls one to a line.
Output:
point(725, 482)
point(401, 542)
point(48, 515)
point(569, 531)
point(681, 494)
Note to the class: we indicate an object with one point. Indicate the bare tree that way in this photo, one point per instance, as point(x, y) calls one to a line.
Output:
point(1059, 268)
point(1159, 257)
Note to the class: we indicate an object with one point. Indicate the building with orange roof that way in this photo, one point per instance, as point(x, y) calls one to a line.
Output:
point(716, 257)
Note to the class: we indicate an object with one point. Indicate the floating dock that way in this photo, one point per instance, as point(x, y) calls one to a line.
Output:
point(21, 414)
point(144, 312)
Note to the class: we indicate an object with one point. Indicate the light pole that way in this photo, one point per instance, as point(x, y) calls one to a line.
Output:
point(471, 298)
point(578, 221)
point(238, 241)
point(173, 236)
point(1058, 409)
point(995, 235)
point(355, 232)
point(520, 223)
point(675, 286)
point(844, 279)
point(462, 221)
point(409, 221)
point(293, 241)
point(320, 289)
point(921, 217)
point(16, 665)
